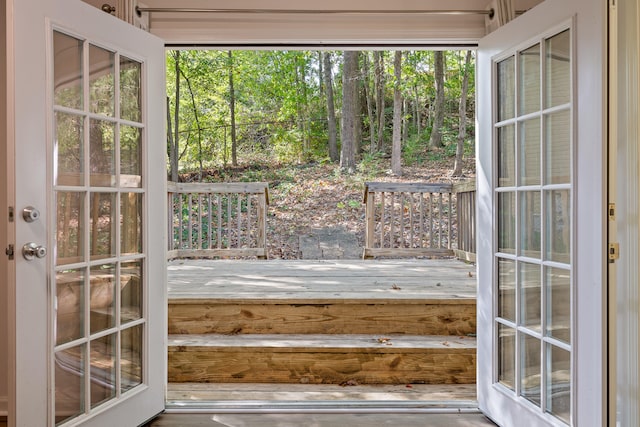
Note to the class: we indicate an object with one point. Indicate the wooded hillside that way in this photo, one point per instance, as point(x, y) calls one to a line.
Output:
point(251, 107)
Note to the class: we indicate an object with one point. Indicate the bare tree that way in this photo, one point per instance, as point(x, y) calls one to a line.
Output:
point(173, 153)
point(232, 111)
point(370, 101)
point(349, 111)
point(331, 109)
point(396, 149)
point(436, 131)
point(462, 127)
point(379, 84)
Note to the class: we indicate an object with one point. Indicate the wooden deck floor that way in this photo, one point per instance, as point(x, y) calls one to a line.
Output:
point(396, 284)
point(343, 280)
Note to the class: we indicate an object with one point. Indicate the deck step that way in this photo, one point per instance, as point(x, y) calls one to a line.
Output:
point(444, 316)
point(322, 359)
point(181, 395)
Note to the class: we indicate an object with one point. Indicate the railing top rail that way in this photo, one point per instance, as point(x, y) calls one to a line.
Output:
point(464, 186)
point(220, 187)
point(405, 187)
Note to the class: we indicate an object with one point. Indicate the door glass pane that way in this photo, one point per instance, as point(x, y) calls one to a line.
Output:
point(131, 223)
point(103, 374)
point(131, 359)
point(558, 148)
point(533, 154)
point(102, 224)
point(506, 89)
point(69, 381)
point(507, 222)
point(558, 226)
point(558, 69)
point(530, 368)
point(101, 81)
point(530, 295)
point(507, 289)
point(69, 227)
point(506, 156)
point(558, 283)
point(559, 383)
point(69, 305)
point(102, 297)
point(131, 293)
point(68, 152)
point(529, 78)
point(102, 153)
point(97, 175)
point(530, 223)
point(130, 156)
point(130, 90)
point(67, 71)
point(507, 356)
point(529, 154)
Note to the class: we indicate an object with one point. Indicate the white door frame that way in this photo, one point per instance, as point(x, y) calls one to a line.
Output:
point(590, 292)
point(29, 101)
point(624, 193)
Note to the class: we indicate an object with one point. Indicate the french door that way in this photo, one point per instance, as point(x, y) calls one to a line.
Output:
point(541, 181)
point(90, 287)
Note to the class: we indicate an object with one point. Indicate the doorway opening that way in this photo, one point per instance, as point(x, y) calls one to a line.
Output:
point(284, 118)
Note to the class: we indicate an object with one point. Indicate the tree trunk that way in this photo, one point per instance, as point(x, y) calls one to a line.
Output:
point(349, 111)
point(172, 147)
point(196, 117)
point(396, 149)
point(436, 131)
point(331, 109)
point(232, 112)
point(176, 113)
point(462, 128)
point(379, 83)
point(369, 100)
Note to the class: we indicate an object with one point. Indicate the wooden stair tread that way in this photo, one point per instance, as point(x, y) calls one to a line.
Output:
point(322, 280)
point(321, 343)
point(217, 392)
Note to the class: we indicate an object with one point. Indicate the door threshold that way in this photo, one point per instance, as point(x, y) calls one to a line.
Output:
point(322, 407)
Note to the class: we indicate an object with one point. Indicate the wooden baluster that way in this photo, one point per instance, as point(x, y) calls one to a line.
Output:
point(209, 222)
point(219, 212)
point(190, 221)
point(238, 217)
point(449, 223)
point(383, 203)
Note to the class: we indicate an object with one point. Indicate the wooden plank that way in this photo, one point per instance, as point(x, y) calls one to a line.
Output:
point(464, 186)
point(276, 317)
point(374, 280)
point(318, 360)
point(215, 253)
point(224, 187)
point(432, 394)
point(408, 252)
point(408, 187)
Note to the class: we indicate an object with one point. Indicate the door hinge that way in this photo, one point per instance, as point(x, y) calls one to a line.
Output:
point(614, 252)
point(11, 214)
point(612, 211)
point(10, 252)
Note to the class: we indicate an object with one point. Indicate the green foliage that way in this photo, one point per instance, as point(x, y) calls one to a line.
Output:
point(280, 106)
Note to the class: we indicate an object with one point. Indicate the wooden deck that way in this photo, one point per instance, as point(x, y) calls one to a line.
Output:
point(343, 280)
point(310, 327)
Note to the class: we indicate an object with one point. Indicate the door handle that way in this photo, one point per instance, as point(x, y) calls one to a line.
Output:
point(32, 250)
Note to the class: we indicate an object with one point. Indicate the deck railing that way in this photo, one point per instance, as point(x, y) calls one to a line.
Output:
point(465, 193)
point(417, 219)
point(217, 220)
